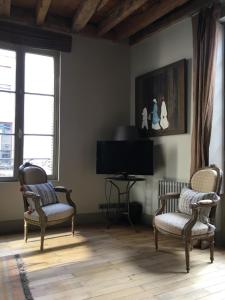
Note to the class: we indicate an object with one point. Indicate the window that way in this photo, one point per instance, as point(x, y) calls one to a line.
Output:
point(28, 110)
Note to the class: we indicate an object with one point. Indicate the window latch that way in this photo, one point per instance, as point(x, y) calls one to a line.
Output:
point(20, 133)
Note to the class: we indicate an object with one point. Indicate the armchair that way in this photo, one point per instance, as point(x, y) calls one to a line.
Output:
point(195, 218)
point(41, 205)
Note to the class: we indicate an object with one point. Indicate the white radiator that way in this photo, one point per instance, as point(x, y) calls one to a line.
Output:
point(171, 186)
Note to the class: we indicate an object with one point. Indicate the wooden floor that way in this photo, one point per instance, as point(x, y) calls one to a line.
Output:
point(116, 264)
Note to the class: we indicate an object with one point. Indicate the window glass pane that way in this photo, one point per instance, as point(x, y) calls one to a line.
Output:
point(6, 155)
point(39, 150)
point(7, 70)
point(39, 74)
point(38, 114)
point(7, 113)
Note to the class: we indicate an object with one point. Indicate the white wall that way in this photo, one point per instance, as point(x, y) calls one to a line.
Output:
point(216, 149)
point(95, 93)
point(216, 153)
point(172, 154)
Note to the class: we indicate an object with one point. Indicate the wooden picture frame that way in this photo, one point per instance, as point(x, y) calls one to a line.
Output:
point(160, 100)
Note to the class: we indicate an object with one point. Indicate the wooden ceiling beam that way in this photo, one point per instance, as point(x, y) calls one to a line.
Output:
point(153, 13)
point(121, 12)
point(83, 14)
point(53, 23)
point(179, 14)
point(5, 7)
point(26, 17)
point(42, 10)
point(102, 5)
point(92, 31)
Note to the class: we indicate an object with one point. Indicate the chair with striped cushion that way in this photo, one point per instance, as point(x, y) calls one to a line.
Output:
point(195, 218)
point(41, 205)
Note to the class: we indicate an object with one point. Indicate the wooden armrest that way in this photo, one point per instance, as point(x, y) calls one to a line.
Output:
point(31, 195)
point(205, 203)
point(169, 196)
point(37, 203)
point(163, 199)
point(62, 189)
point(195, 213)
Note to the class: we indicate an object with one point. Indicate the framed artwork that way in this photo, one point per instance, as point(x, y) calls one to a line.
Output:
point(160, 100)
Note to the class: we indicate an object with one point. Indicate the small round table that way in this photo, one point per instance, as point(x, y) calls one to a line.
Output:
point(113, 181)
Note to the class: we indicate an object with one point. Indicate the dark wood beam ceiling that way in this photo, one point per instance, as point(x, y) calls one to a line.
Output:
point(103, 4)
point(150, 15)
point(63, 8)
point(42, 10)
point(179, 14)
point(121, 12)
point(109, 19)
point(84, 12)
point(5, 7)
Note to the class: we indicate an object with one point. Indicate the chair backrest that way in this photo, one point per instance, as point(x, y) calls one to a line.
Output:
point(207, 180)
point(31, 174)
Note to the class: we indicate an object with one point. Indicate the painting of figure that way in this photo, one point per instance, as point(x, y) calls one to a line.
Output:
point(144, 119)
point(160, 100)
point(155, 116)
point(163, 118)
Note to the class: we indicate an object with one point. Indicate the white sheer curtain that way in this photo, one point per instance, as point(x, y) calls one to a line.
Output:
point(216, 149)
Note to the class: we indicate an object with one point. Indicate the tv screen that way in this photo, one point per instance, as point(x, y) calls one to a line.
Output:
point(125, 157)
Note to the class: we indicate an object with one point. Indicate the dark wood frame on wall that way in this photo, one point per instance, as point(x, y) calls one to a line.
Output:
point(160, 100)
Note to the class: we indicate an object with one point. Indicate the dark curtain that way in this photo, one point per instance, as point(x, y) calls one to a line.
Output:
point(205, 37)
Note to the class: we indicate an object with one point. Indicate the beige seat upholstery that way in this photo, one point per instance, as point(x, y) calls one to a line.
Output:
point(174, 223)
point(53, 212)
point(204, 180)
point(41, 205)
point(196, 220)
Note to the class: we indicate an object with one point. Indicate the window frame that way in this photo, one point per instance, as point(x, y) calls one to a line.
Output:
point(19, 107)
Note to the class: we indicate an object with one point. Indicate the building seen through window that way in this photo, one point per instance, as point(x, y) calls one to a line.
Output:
point(28, 119)
point(6, 150)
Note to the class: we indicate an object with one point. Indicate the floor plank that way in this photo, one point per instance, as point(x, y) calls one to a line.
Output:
point(116, 263)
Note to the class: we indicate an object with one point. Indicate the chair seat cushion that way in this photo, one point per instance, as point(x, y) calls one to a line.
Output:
point(53, 212)
point(175, 222)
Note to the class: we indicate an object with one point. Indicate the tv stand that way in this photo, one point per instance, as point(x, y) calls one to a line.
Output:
point(112, 181)
point(123, 177)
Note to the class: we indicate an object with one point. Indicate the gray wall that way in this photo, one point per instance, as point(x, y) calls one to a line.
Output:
point(172, 153)
point(97, 78)
point(95, 93)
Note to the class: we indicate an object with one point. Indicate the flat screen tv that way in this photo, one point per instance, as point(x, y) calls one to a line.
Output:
point(125, 157)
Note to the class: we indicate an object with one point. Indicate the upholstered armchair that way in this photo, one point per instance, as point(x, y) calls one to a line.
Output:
point(41, 205)
point(195, 218)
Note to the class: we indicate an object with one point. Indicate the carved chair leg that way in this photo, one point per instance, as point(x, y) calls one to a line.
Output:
point(211, 246)
point(191, 245)
point(156, 238)
point(42, 237)
point(187, 255)
point(73, 225)
point(25, 231)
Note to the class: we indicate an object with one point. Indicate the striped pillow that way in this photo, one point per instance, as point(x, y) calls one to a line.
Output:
point(188, 196)
point(46, 192)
